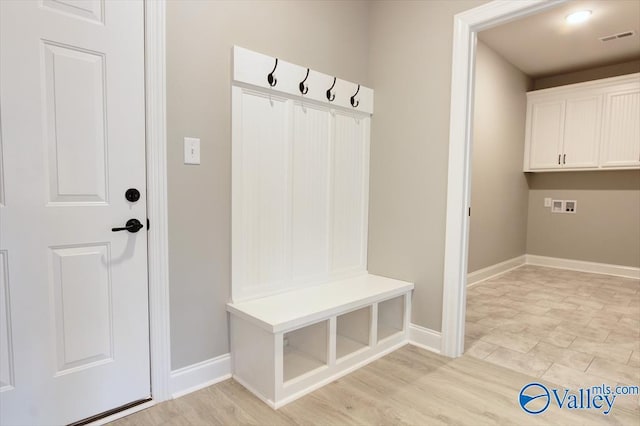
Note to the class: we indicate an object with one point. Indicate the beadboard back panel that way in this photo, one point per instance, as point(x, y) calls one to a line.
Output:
point(310, 185)
point(350, 190)
point(300, 185)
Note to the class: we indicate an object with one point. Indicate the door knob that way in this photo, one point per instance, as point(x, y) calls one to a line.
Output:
point(133, 226)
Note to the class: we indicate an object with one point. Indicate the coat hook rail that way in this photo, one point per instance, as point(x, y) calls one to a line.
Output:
point(271, 78)
point(304, 89)
point(331, 96)
point(300, 83)
point(354, 102)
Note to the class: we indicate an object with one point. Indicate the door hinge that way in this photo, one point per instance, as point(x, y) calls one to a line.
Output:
point(148, 224)
point(469, 211)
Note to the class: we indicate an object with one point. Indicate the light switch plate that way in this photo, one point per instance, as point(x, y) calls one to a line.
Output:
point(547, 202)
point(191, 151)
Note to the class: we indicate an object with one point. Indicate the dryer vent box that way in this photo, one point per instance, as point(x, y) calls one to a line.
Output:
point(570, 206)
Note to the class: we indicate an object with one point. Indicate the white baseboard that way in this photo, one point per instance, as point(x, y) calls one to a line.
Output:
point(583, 266)
point(483, 274)
point(197, 376)
point(425, 338)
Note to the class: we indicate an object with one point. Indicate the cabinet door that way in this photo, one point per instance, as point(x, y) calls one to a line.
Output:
point(621, 142)
point(545, 134)
point(582, 125)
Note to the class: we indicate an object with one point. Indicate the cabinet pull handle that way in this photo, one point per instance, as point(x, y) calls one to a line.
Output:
point(558, 158)
point(564, 159)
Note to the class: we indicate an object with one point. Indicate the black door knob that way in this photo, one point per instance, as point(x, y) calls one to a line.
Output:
point(132, 195)
point(133, 226)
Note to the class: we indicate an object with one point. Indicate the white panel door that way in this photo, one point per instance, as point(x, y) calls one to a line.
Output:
point(621, 142)
point(547, 128)
point(582, 126)
point(74, 330)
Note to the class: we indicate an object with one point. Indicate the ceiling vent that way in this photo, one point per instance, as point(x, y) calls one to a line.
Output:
point(617, 36)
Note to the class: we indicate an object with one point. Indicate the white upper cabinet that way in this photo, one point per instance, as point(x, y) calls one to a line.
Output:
point(585, 126)
point(546, 133)
point(621, 139)
point(582, 125)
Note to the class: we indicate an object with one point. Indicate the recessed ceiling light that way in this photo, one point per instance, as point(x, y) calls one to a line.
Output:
point(578, 17)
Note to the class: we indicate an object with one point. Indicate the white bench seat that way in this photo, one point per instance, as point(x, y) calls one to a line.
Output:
point(293, 309)
point(286, 345)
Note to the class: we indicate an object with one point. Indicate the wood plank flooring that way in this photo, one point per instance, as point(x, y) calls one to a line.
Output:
point(596, 338)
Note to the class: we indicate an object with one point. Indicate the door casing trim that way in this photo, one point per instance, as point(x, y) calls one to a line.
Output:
point(157, 207)
point(466, 26)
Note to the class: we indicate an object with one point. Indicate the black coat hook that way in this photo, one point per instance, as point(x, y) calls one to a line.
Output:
point(355, 103)
point(331, 96)
point(271, 78)
point(304, 89)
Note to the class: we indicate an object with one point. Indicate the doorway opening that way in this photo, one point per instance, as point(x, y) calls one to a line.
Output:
point(568, 296)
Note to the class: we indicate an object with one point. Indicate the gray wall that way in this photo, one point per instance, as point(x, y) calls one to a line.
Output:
point(410, 70)
point(329, 36)
point(606, 226)
point(400, 48)
point(587, 75)
point(499, 190)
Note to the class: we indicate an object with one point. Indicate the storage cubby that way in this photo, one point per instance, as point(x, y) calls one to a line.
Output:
point(390, 317)
point(286, 345)
point(305, 350)
point(352, 332)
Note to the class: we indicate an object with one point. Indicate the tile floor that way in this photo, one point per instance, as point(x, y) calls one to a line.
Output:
point(565, 328)
point(570, 328)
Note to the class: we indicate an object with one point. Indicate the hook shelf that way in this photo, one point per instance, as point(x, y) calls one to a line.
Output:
point(275, 75)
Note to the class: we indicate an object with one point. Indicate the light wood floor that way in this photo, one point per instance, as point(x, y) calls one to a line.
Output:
point(416, 387)
point(570, 328)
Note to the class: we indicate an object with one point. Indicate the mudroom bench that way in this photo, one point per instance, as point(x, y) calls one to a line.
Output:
point(286, 345)
point(303, 310)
